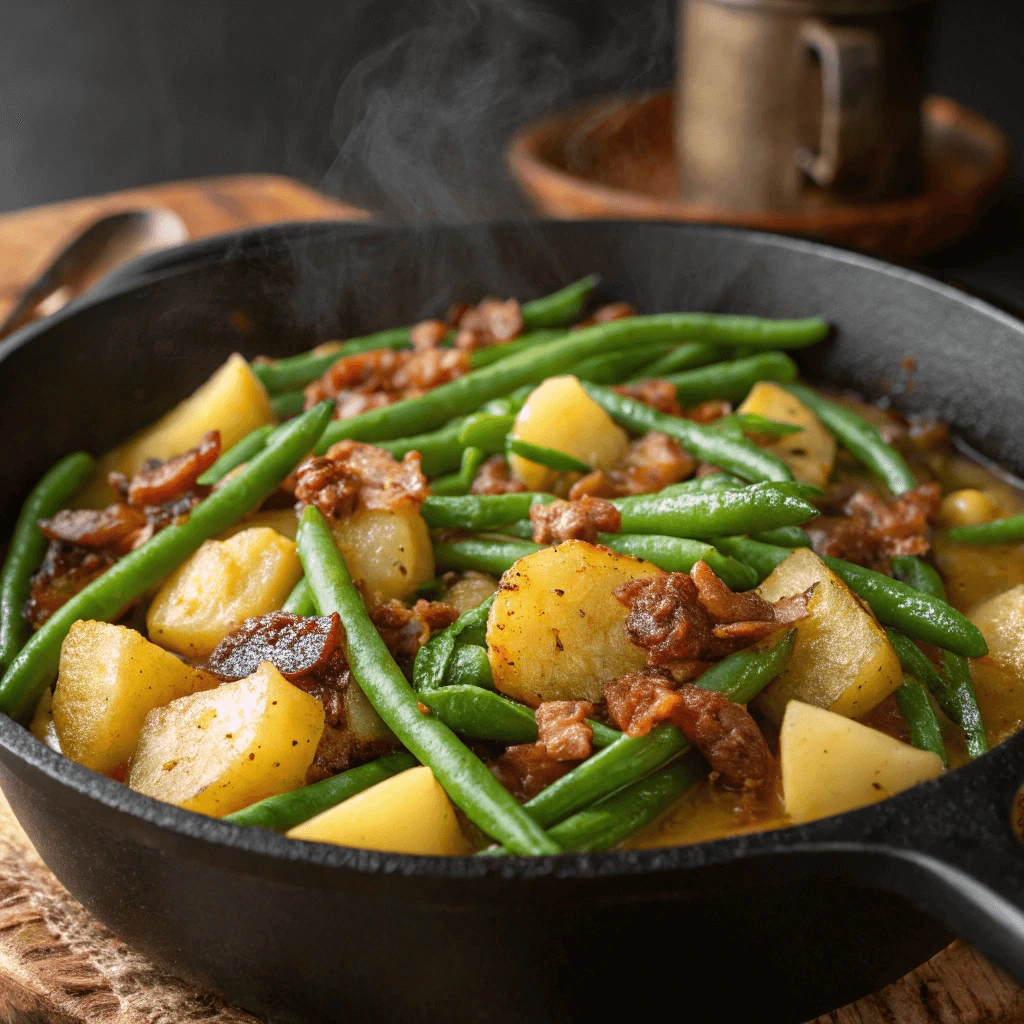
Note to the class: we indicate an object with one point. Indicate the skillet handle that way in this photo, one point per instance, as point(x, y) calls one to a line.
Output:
point(962, 860)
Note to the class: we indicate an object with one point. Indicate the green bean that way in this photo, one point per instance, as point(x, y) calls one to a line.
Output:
point(860, 438)
point(999, 531)
point(495, 353)
point(632, 757)
point(440, 450)
point(682, 357)
point(461, 482)
point(784, 537)
point(740, 457)
point(469, 667)
point(138, 571)
point(740, 423)
point(732, 380)
point(698, 485)
point(920, 616)
point(433, 658)
point(561, 308)
point(552, 458)
point(482, 555)
point(679, 554)
point(917, 573)
point(28, 545)
point(300, 600)
point(468, 393)
point(616, 366)
point(463, 775)
point(252, 444)
point(288, 404)
point(481, 714)
point(916, 708)
point(287, 810)
point(718, 514)
point(486, 431)
point(762, 558)
point(479, 511)
point(298, 371)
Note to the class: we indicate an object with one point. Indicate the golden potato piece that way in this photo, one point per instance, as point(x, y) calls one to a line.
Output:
point(811, 454)
point(232, 401)
point(999, 676)
point(471, 590)
point(555, 630)
point(842, 659)
point(560, 414)
point(387, 551)
point(831, 764)
point(283, 520)
point(973, 573)
point(42, 726)
point(221, 750)
point(109, 679)
point(224, 583)
point(967, 507)
point(408, 813)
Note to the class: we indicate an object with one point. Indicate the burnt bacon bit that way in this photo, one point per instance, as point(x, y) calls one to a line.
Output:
point(157, 483)
point(562, 728)
point(66, 570)
point(527, 768)
point(490, 322)
point(654, 392)
point(495, 477)
point(353, 474)
point(709, 411)
point(652, 462)
point(582, 519)
point(93, 528)
point(427, 334)
point(873, 531)
point(724, 732)
point(681, 620)
point(294, 644)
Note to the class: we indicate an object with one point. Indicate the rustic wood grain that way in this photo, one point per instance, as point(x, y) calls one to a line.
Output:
point(60, 966)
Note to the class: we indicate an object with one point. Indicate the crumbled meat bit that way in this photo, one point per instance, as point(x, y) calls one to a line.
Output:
point(709, 411)
point(427, 334)
point(405, 630)
point(574, 520)
point(652, 462)
point(681, 619)
point(294, 644)
point(353, 473)
point(327, 683)
point(658, 394)
point(606, 314)
point(495, 477)
point(874, 531)
point(527, 768)
point(66, 570)
point(165, 481)
point(491, 322)
point(563, 729)
point(722, 731)
point(93, 528)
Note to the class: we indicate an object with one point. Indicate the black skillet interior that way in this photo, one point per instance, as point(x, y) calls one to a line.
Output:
point(808, 917)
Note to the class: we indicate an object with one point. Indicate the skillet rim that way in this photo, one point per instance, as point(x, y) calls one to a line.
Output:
point(866, 829)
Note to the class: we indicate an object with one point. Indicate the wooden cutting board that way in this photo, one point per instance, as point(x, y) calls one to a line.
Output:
point(57, 964)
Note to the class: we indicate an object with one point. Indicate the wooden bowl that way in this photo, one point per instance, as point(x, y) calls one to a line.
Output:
point(616, 159)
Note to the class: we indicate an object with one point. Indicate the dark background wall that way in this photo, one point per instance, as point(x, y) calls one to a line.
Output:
point(402, 105)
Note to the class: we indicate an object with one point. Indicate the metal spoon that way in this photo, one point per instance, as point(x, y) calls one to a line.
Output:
point(93, 253)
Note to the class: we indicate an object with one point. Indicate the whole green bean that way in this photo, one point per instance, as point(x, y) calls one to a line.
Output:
point(561, 308)
point(552, 458)
point(487, 431)
point(461, 482)
point(732, 380)
point(613, 367)
point(917, 573)
point(784, 537)
point(917, 711)
point(740, 423)
point(300, 600)
point(440, 450)
point(145, 567)
point(482, 555)
point(860, 438)
point(288, 404)
point(682, 357)
point(679, 554)
point(469, 667)
point(999, 531)
point(463, 775)
point(743, 675)
point(479, 511)
point(481, 714)
point(287, 810)
point(28, 545)
point(432, 660)
point(495, 353)
point(738, 456)
point(762, 558)
point(920, 616)
point(464, 395)
point(252, 444)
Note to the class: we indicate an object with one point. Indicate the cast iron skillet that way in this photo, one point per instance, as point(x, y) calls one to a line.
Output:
point(781, 925)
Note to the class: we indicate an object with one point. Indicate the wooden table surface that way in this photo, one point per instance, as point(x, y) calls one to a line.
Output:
point(57, 964)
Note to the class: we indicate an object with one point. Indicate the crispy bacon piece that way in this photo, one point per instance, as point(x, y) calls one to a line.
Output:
point(93, 527)
point(354, 474)
point(66, 570)
point(709, 411)
point(682, 619)
point(405, 630)
point(652, 462)
point(527, 768)
point(724, 732)
point(606, 314)
point(574, 520)
point(427, 334)
point(658, 394)
point(495, 477)
point(165, 481)
point(874, 531)
point(491, 322)
point(563, 730)
point(294, 644)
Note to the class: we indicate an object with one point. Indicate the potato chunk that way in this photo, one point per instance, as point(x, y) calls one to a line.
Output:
point(831, 764)
point(556, 631)
point(811, 454)
point(109, 679)
point(224, 583)
point(999, 676)
point(842, 659)
point(387, 551)
point(560, 414)
point(219, 751)
point(283, 520)
point(408, 813)
point(232, 401)
point(42, 726)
